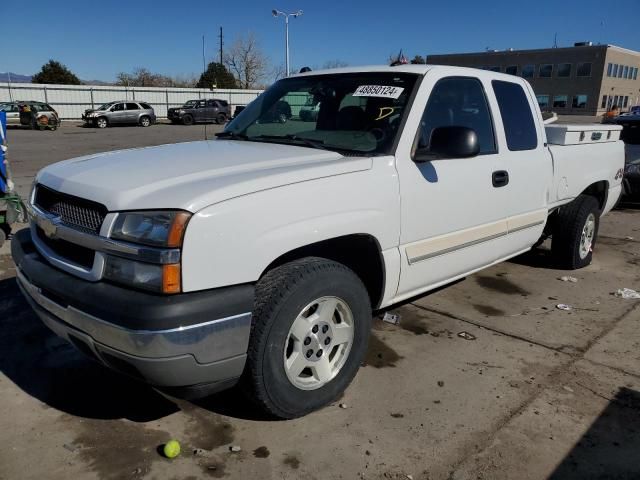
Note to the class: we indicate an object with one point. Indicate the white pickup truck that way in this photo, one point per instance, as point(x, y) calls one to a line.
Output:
point(259, 257)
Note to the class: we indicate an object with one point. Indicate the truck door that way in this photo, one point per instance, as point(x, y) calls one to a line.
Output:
point(451, 217)
point(525, 161)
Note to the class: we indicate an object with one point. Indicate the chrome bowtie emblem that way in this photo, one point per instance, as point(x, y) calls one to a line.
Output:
point(48, 226)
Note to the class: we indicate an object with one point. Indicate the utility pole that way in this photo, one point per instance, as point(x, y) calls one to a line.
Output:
point(221, 43)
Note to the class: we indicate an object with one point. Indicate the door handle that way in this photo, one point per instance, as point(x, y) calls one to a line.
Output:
point(500, 178)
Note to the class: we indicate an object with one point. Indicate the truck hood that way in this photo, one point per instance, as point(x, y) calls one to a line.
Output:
point(192, 175)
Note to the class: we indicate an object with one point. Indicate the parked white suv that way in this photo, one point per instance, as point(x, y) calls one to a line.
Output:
point(259, 257)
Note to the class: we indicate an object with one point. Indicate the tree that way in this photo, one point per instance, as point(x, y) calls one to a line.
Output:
point(418, 60)
point(246, 61)
point(55, 72)
point(142, 77)
point(218, 75)
point(334, 64)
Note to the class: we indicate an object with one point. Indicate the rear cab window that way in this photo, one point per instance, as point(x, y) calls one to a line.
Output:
point(517, 118)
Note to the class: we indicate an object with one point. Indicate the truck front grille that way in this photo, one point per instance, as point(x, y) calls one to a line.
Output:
point(75, 212)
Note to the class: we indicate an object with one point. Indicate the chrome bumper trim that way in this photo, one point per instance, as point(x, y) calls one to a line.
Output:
point(208, 342)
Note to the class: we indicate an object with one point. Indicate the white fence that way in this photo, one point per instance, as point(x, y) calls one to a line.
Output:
point(70, 101)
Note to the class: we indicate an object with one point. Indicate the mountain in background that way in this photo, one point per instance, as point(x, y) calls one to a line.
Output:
point(15, 77)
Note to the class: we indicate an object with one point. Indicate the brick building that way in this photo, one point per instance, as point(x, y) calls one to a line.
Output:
point(584, 79)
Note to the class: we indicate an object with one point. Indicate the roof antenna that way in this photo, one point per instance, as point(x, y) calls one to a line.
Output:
point(555, 40)
point(204, 69)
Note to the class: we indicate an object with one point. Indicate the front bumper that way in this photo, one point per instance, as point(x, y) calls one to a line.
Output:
point(197, 340)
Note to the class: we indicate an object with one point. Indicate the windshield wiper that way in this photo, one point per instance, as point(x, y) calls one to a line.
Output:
point(307, 141)
point(232, 136)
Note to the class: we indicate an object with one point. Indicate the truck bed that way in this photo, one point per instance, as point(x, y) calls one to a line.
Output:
point(583, 155)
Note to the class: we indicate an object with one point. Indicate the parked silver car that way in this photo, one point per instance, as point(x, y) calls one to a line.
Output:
point(12, 111)
point(30, 113)
point(120, 112)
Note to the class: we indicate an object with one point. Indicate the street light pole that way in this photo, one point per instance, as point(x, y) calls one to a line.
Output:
point(286, 16)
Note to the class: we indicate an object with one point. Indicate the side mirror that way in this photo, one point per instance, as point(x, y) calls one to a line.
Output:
point(449, 142)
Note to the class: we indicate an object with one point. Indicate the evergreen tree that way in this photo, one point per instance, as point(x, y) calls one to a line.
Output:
point(217, 74)
point(55, 72)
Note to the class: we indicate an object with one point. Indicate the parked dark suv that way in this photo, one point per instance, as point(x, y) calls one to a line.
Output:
point(194, 111)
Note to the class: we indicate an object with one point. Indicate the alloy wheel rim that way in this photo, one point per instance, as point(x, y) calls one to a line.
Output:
point(588, 233)
point(319, 342)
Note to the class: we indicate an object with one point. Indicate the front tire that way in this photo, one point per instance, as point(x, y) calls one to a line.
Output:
point(575, 235)
point(102, 122)
point(187, 119)
point(310, 331)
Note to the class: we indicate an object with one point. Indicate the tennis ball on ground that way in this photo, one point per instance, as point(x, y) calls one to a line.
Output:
point(171, 449)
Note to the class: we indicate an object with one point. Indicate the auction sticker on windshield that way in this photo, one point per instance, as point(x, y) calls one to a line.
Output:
point(381, 91)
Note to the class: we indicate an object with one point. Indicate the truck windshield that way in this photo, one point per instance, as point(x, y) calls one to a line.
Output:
point(357, 113)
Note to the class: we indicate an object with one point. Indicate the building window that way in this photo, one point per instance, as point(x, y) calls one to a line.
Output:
point(543, 101)
point(564, 69)
point(620, 70)
point(604, 101)
point(615, 70)
point(579, 101)
point(546, 70)
point(495, 68)
point(626, 102)
point(635, 73)
point(609, 69)
point(615, 100)
point(517, 119)
point(625, 73)
point(560, 101)
point(528, 71)
point(512, 70)
point(583, 69)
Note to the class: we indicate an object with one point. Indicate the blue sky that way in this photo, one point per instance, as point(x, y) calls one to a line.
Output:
point(99, 39)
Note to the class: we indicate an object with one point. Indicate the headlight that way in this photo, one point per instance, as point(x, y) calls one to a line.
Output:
point(154, 228)
point(181, 111)
point(154, 277)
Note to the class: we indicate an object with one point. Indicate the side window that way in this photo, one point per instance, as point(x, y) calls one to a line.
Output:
point(459, 101)
point(517, 118)
point(146, 106)
point(211, 103)
point(132, 106)
point(201, 104)
point(118, 107)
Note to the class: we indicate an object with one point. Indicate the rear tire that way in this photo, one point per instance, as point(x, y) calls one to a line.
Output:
point(576, 231)
point(145, 121)
point(312, 300)
point(187, 119)
point(221, 119)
